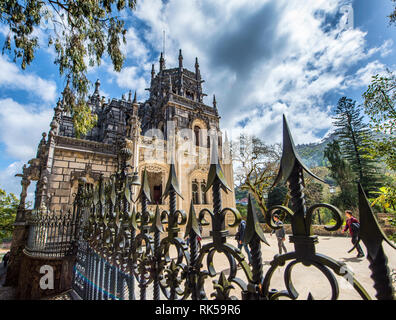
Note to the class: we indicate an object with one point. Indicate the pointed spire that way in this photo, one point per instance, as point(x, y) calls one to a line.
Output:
point(289, 157)
point(162, 62)
point(97, 86)
point(192, 222)
point(197, 72)
point(253, 225)
point(130, 96)
point(134, 98)
point(180, 60)
point(157, 224)
point(172, 182)
point(370, 231)
point(145, 188)
point(152, 71)
point(215, 171)
point(214, 102)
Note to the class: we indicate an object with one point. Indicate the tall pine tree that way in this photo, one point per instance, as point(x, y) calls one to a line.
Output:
point(353, 135)
point(342, 173)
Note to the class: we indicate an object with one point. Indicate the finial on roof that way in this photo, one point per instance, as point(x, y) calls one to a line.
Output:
point(130, 96)
point(152, 71)
point(214, 102)
point(97, 85)
point(197, 72)
point(162, 62)
point(180, 60)
point(134, 98)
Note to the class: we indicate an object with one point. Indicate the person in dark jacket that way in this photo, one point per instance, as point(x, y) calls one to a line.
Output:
point(353, 225)
point(280, 234)
point(239, 237)
point(6, 257)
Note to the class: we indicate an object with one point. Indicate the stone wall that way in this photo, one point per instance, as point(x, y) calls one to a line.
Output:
point(29, 277)
point(68, 166)
point(19, 238)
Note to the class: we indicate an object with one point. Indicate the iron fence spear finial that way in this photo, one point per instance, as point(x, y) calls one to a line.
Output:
point(144, 189)
point(172, 182)
point(372, 236)
point(290, 157)
point(157, 228)
point(254, 234)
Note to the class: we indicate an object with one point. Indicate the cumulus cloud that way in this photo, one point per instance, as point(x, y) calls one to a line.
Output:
point(11, 77)
point(364, 75)
point(260, 58)
point(21, 127)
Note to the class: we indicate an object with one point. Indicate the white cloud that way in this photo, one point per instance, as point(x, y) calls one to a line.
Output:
point(257, 56)
point(21, 127)
point(12, 77)
point(364, 75)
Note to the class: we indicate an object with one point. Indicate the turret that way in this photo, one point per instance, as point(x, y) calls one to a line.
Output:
point(97, 86)
point(197, 72)
point(180, 61)
point(162, 62)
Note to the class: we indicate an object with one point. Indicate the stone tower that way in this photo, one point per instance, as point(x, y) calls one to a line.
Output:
point(173, 124)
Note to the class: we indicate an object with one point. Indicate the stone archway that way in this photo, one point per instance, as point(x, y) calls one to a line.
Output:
point(157, 174)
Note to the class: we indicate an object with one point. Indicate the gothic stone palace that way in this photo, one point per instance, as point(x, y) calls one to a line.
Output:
point(174, 114)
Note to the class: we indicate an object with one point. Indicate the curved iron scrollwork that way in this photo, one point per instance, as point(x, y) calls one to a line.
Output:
point(128, 254)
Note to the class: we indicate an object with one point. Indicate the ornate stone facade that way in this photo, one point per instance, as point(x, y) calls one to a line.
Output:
point(173, 115)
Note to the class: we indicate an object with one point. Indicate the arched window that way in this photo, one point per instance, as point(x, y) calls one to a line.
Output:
point(196, 133)
point(195, 192)
point(203, 193)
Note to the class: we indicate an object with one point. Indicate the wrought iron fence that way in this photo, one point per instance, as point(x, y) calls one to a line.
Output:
point(51, 234)
point(121, 254)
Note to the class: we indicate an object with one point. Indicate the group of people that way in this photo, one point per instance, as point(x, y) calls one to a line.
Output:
point(351, 224)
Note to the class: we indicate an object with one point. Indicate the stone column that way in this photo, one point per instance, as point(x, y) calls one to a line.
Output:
point(19, 237)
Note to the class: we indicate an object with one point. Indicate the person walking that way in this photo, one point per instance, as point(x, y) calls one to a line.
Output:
point(6, 257)
point(239, 238)
point(280, 234)
point(353, 225)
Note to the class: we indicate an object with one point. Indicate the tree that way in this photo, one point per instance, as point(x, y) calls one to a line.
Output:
point(82, 31)
point(392, 16)
point(353, 137)
point(258, 164)
point(342, 173)
point(8, 208)
point(380, 106)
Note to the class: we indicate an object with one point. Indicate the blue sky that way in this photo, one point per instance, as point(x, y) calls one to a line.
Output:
point(261, 58)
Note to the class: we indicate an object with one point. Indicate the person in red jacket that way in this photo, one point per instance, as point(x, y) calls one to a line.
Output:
point(353, 225)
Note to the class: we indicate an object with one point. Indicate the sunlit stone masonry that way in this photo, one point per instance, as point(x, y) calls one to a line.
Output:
point(174, 124)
